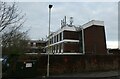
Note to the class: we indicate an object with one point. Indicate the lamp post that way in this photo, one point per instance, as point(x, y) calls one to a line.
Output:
point(50, 6)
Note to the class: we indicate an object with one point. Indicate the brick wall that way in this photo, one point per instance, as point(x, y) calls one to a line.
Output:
point(60, 64)
point(71, 47)
point(95, 41)
point(71, 35)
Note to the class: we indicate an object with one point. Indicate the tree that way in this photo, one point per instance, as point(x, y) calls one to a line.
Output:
point(11, 24)
point(9, 15)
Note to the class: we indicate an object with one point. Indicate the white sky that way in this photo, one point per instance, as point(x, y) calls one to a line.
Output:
point(82, 12)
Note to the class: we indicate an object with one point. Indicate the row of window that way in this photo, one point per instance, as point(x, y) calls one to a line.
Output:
point(57, 38)
point(34, 44)
point(56, 48)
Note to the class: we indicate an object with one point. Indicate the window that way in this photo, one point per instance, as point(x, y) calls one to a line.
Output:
point(80, 41)
point(57, 38)
point(60, 36)
point(56, 48)
point(50, 41)
point(53, 49)
point(61, 47)
point(54, 39)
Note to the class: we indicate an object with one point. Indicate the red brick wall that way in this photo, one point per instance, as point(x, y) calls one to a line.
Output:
point(71, 47)
point(63, 64)
point(71, 35)
point(95, 41)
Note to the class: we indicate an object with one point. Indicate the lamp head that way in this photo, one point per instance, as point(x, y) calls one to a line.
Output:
point(50, 6)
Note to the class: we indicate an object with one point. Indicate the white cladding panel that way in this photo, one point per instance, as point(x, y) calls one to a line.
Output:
point(93, 22)
point(62, 29)
point(90, 23)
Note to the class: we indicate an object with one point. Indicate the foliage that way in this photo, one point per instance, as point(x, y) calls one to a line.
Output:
point(14, 40)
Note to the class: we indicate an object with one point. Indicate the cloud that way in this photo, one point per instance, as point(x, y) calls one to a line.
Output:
point(82, 12)
point(112, 44)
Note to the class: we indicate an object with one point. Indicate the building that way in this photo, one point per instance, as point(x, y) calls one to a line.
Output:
point(94, 37)
point(36, 46)
point(64, 40)
point(86, 39)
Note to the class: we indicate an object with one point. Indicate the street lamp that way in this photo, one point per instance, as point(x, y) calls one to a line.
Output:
point(50, 6)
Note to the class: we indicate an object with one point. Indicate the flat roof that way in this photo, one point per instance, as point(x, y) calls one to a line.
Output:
point(93, 22)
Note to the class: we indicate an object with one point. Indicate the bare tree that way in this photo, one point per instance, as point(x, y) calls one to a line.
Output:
point(11, 23)
point(9, 16)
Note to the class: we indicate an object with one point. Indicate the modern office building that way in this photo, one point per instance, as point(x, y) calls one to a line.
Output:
point(86, 39)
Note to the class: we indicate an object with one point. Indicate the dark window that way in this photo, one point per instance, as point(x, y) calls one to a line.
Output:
point(60, 36)
point(52, 41)
point(56, 48)
point(71, 35)
point(60, 48)
point(56, 38)
point(80, 42)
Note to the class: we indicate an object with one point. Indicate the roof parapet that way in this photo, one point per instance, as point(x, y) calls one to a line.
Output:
point(93, 22)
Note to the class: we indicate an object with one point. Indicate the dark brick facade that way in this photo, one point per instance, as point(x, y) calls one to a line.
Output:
point(71, 47)
point(36, 46)
point(64, 64)
point(87, 39)
point(73, 35)
point(94, 39)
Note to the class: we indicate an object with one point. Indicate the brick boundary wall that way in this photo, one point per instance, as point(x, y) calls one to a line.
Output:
point(76, 64)
point(66, 64)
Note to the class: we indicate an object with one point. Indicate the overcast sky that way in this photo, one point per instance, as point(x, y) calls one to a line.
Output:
point(82, 12)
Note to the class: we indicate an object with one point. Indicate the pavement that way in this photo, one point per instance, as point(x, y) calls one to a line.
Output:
point(88, 75)
point(91, 74)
